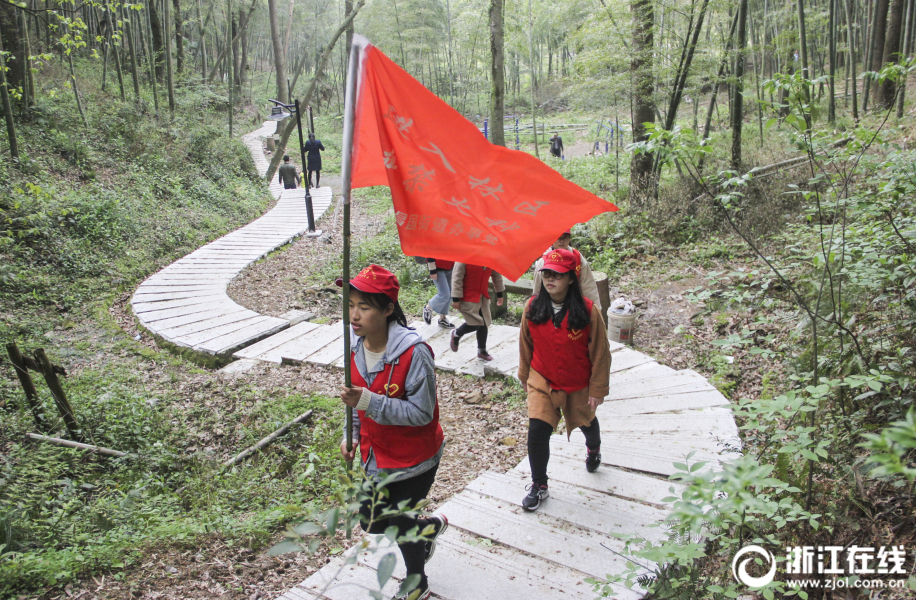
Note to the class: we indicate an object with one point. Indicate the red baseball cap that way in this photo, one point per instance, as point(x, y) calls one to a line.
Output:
point(375, 280)
point(567, 232)
point(560, 261)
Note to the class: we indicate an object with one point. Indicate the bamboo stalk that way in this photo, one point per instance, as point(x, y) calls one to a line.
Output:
point(28, 386)
point(57, 392)
point(78, 445)
point(267, 440)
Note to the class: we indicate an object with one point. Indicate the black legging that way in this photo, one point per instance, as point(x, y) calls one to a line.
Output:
point(413, 490)
point(317, 178)
point(539, 433)
point(480, 329)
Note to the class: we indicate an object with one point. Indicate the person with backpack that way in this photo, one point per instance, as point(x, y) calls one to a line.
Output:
point(396, 424)
point(583, 270)
point(471, 296)
point(440, 271)
point(564, 365)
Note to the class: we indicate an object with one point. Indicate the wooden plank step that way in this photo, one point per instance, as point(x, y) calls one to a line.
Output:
point(232, 341)
point(180, 331)
point(168, 313)
point(624, 358)
point(610, 480)
point(587, 509)
point(640, 457)
point(296, 351)
point(165, 296)
point(648, 388)
point(468, 570)
point(644, 371)
point(165, 289)
point(199, 337)
point(506, 350)
point(712, 422)
point(439, 341)
point(274, 342)
point(467, 351)
point(140, 306)
point(331, 352)
point(181, 320)
point(353, 582)
point(536, 533)
point(661, 404)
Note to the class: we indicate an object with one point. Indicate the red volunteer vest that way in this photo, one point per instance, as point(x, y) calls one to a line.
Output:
point(445, 265)
point(476, 280)
point(395, 446)
point(561, 353)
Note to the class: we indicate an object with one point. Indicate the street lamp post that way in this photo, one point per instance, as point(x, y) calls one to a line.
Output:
point(277, 114)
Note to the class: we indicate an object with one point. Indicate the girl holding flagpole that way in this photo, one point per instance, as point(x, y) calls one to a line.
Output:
point(397, 413)
point(564, 364)
point(471, 296)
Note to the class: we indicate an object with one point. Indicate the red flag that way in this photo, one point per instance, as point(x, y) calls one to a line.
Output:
point(456, 195)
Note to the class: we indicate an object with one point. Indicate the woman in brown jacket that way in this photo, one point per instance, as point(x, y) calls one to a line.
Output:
point(564, 364)
point(471, 296)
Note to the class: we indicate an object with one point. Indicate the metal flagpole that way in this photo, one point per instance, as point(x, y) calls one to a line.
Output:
point(347, 171)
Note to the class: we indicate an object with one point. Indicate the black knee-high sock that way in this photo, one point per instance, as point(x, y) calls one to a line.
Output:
point(482, 333)
point(464, 330)
point(539, 433)
point(592, 433)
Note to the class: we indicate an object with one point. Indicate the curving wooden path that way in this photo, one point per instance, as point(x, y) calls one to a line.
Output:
point(653, 417)
point(186, 303)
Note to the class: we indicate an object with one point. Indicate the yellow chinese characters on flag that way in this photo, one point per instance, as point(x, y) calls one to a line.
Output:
point(456, 196)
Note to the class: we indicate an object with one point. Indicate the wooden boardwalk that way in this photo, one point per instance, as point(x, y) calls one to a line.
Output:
point(186, 303)
point(653, 417)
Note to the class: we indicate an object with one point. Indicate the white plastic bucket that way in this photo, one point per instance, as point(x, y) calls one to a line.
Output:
point(620, 327)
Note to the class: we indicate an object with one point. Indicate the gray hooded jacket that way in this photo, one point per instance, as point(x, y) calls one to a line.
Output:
point(415, 410)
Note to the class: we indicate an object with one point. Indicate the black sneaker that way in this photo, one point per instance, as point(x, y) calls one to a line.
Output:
point(453, 341)
point(420, 592)
point(441, 523)
point(592, 461)
point(444, 323)
point(427, 314)
point(536, 493)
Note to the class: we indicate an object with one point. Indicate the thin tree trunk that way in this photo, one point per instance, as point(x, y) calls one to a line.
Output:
point(716, 86)
point(7, 106)
point(279, 65)
point(852, 61)
point(803, 47)
point(831, 35)
point(170, 81)
point(906, 48)
point(155, 25)
point(76, 92)
point(497, 74)
point(289, 29)
point(879, 29)
point(179, 39)
point(134, 68)
point(151, 61)
point(737, 112)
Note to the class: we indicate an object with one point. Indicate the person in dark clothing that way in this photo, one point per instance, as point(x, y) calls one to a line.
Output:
point(556, 145)
point(313, 149)
point(288, 175)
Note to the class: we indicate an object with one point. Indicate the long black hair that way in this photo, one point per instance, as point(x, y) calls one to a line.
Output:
point(541, 308)
point(381, 302)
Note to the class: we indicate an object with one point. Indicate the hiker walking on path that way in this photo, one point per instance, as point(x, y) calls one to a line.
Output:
point(288, 175)
point(440, 271)
point(396, 424)
point(556, 145)
point(564, 364)
point(583, 270)
point(471, 296)
point(313, 149)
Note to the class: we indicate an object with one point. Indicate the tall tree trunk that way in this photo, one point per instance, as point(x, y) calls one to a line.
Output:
point(852, 60)
point(905, 52)
point(642, 184)
point(134, 63)
point(278, 51)
point(7, 105)
point(497, 74)
point(243, 44)
point(831, 35)
point(879, 29)
point(289, 29)
point(887, 91)
point(451, 76)
point(155, 26)
point(803, 47)
point(9, 29)
point(168, 54)
point(179, 39)
point(737, 113)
